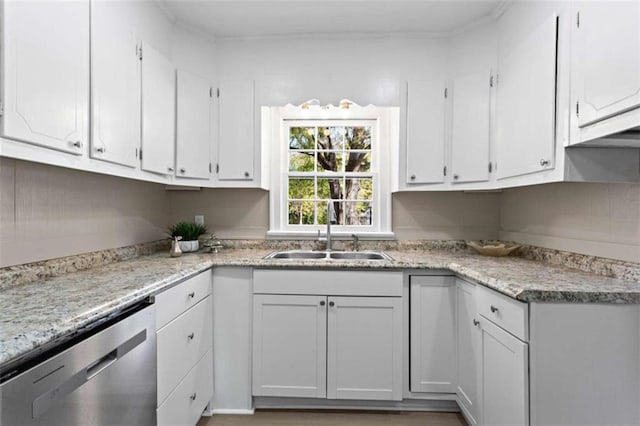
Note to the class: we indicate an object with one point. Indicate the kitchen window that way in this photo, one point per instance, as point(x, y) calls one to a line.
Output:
point(331, 155)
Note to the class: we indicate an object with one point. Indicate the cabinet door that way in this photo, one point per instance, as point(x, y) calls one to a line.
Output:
point(470, 128)
point(115, 84)
point(46, 73)
point(433, 334)
point(158, 112)
point(606, 59)
point(425, 132)
point(236, 148)
point(505, 377)
point(289, 346)
point(364, 349)
point(193, 151)
point(526, 104)
point(468, 326)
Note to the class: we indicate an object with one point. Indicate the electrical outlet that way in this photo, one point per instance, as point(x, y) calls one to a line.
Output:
point(199, 220)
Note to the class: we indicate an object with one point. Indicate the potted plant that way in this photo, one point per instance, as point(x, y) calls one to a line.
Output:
point(189, 232)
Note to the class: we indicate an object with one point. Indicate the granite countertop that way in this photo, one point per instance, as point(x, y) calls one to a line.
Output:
point(45, 311)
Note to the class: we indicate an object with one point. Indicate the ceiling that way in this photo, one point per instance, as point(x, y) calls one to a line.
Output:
point(260, 18)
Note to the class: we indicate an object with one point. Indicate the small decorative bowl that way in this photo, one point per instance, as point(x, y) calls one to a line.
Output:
point(502, 249)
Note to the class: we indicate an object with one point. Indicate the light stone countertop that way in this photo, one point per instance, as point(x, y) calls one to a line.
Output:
point(44, 312)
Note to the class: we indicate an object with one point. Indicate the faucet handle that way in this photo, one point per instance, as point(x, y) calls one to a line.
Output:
point(355, 241)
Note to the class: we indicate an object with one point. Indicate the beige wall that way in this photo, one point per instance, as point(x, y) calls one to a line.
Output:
point(596, 219)
point(48, 212)
point(446, 215)
point(229, 213)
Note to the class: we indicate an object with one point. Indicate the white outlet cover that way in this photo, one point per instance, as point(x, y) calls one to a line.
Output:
point(199, 219)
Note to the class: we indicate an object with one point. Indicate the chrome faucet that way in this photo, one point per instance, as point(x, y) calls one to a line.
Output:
point(330, 215)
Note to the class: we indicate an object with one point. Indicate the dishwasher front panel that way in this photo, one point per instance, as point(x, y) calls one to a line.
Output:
point(108, 378)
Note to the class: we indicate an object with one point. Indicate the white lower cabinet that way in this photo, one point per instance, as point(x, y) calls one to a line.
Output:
point(433, 333)
point(324, 346)
point(289, 345)
point(468, 353)
point(184, 360)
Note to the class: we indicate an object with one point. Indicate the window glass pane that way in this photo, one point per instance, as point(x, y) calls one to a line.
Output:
point(359, 189)
point(321, 207)
point(358, 161)
point(330, 161)
point(330, 138)
point(358, 213)
point(358, 138)
point(338, 209)
point(301, 189)
point(302, 138)
point(301, 213)
point(330, 188)
point(300, 161)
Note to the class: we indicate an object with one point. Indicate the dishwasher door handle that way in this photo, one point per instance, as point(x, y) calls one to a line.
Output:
point(44, 402)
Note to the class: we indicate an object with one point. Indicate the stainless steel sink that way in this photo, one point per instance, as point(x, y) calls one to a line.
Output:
point(328, 255)
point(359, 255)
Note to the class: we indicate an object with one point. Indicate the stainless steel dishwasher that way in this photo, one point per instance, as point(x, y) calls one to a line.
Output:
point(104, 376)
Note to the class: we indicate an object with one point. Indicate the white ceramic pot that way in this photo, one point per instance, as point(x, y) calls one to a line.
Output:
point(189, 246)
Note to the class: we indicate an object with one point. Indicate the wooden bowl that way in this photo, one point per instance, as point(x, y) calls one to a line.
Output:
point(502, 249)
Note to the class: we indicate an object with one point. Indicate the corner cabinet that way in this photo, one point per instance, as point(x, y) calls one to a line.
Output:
point(425, 147)
point(115, 84)
point(433, 331)
point(236, 131)
point(605, 66)
point(45, 89)
point(470, 127)
point(526, 103)
point(193, 149)
point(324, 344)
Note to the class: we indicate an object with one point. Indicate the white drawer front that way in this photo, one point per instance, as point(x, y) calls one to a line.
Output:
point(332, 282)
point(176, 300)
point(187, 402)
point(508, 313)
point(181, 344)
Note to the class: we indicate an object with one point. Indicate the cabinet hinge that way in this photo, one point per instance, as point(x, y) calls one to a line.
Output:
point(141, 153)
point(139, 52)
point(490, 167)
point(217, 92)
point(444, 170)
point(1, 108)
point(209, 167)
point(578, 109)
point(446, 92)
point(578, 19)
point(491, 81)
point(211, 92)
point(217, 168)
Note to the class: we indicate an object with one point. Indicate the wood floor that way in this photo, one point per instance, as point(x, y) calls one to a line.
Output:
point(335, 418)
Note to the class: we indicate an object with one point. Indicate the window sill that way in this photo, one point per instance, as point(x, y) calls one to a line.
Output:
point(313, 235)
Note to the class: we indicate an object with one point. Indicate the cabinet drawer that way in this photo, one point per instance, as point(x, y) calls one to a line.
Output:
point(187, 402)
point(508, 313)
point(181, 344)
point(176, 300)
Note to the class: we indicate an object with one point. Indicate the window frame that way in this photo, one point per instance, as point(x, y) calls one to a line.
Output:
point(384, 123)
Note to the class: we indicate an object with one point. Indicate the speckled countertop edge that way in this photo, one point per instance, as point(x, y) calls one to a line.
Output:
point(47, 310)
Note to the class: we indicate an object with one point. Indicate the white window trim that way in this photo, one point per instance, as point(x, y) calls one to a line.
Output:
point(384, 120)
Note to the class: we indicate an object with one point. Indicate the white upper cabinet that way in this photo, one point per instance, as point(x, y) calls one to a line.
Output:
point(115, 84)
point(526, 103)
point(605, 65)
point(193, 151)
point(46, 73)
point(425, 132)
point(471, 114)
point(158, 112)
point(236, 141)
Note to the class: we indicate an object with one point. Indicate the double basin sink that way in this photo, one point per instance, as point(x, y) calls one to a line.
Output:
point(328, 255)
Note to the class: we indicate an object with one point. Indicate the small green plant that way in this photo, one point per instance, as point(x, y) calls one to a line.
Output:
point(189, 231)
